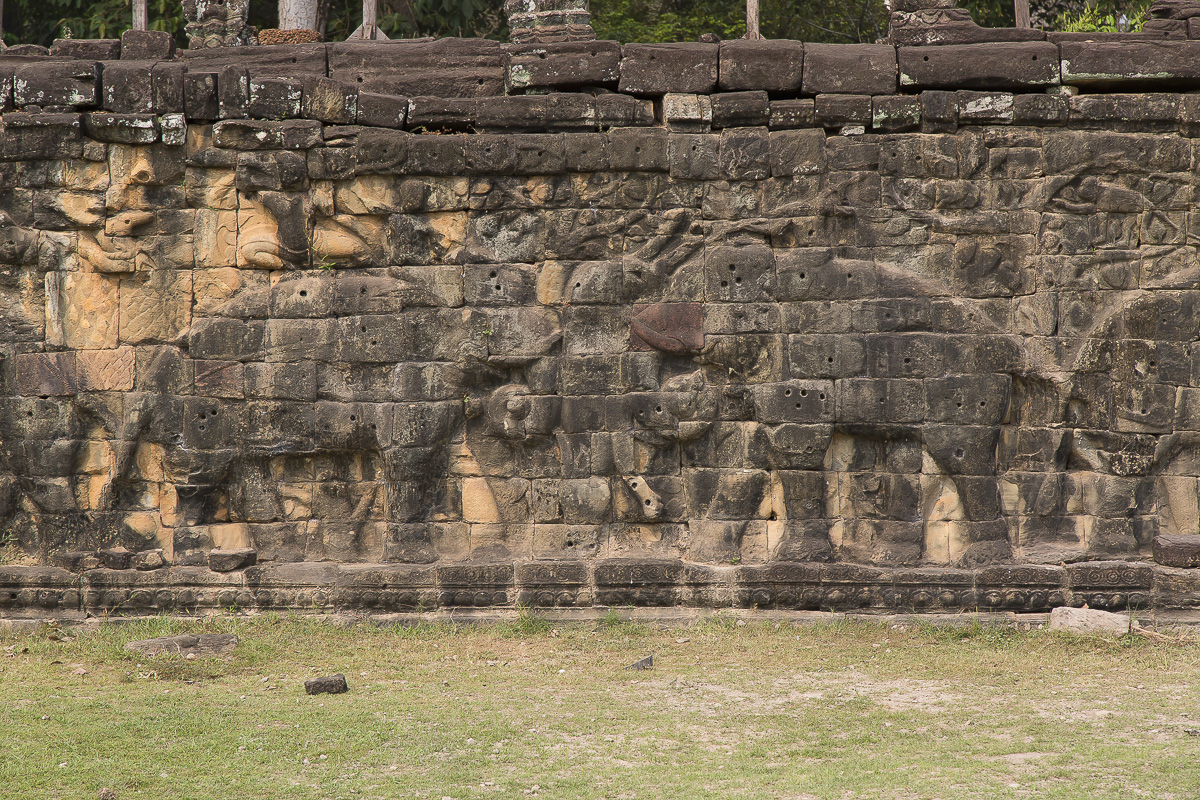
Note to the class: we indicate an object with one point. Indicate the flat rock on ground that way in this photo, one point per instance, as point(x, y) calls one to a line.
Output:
point(1089, 620)
point(332, 684)
point(199, 645)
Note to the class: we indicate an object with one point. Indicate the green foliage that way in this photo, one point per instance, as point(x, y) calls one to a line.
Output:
point(666, 20)
point(611, 619)
point(42, 21)
point(411, 18)
point(33, 22)
point(805, 20)
point(1105, 17)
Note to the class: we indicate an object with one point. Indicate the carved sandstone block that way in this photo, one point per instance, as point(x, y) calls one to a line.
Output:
point(273, 230)
point(156, 308)
point(88, 310)
point(111, 254)
point(216, 237)
point(105, 370)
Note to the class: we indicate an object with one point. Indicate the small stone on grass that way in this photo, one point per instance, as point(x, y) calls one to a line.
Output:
point(332, 684)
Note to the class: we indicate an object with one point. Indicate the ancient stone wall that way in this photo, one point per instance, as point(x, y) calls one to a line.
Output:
point(437, 323)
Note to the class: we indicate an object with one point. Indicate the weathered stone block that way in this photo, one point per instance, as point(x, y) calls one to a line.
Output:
point(849, 69)
point(836, 110)
point(440, 68)
point(740, 109)
point(745, 154)
point(895, 113)
point(200, 99)
point(655, 69)
point(47, 374)
point(562, 65)
point(155, 307)
point(774, 65)
point(128, 88)
point(330, 101)
point(147, 45)
point(105, 370)
point(999, 65)
point(233, 92)
point(381, 110)
point(275, 98)
point(1165, 63)
point(637, 150)
point(57, 83)
point(86, 49)
point(122, 128)
point(790, 114)
point(41, 136)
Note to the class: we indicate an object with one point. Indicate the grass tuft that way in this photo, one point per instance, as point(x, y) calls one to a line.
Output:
point(528, 624)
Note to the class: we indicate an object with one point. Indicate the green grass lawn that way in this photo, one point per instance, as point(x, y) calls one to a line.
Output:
point(760, 710)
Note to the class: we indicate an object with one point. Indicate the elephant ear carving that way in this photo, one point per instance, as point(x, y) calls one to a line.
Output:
point(668, 327)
